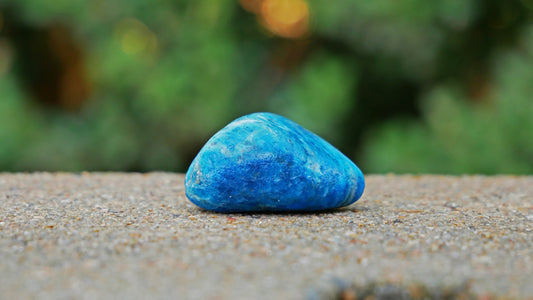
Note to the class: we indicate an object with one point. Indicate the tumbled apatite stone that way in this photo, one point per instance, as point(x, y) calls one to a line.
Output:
point(263, 162)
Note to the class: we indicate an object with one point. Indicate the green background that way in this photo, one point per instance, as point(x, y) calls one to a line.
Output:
point(399, 86)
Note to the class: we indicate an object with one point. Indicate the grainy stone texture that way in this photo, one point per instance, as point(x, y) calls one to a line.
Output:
point(101, 236)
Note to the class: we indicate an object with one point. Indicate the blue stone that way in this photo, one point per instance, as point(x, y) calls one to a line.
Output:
point(264, 162)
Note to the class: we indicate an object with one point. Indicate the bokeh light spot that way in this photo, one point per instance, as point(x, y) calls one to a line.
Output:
point(135, 38)
point(253, 6)
point(286, 18)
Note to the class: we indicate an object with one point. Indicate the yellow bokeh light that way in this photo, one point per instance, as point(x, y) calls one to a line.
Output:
point(286, 18)
point(135, 38)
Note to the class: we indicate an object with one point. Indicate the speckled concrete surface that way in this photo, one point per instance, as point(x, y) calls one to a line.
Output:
point(90, 236)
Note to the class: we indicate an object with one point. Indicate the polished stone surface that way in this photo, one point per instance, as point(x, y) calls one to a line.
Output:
point(264, 162)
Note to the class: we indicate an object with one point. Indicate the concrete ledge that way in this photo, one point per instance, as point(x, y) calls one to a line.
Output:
point(107, 235)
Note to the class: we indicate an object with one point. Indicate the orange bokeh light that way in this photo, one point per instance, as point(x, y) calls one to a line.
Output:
point(285, 18)
point(253, 6)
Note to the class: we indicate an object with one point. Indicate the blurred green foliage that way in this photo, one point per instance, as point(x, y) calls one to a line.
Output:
point(455, 136)
point(399, 86)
